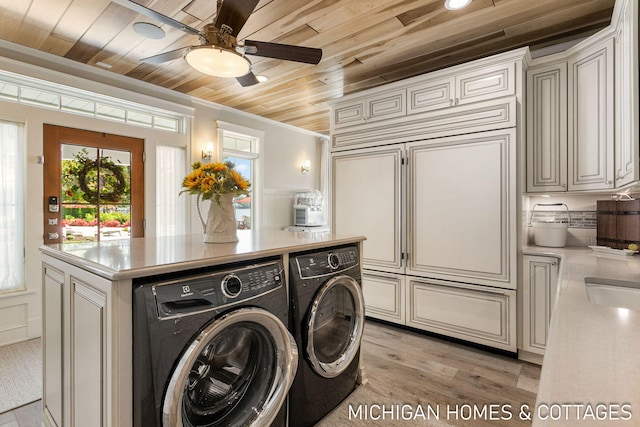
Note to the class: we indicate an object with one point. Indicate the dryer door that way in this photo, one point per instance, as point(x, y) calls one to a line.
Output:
point(335, 325)
point(236, 372)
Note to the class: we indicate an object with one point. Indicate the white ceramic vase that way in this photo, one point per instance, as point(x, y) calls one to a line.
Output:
point(220, 226)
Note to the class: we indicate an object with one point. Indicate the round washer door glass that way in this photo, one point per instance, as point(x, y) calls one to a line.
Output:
point(237, 371)
point(336, 322)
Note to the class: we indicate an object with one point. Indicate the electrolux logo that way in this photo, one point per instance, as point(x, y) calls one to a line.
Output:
point(186, 291)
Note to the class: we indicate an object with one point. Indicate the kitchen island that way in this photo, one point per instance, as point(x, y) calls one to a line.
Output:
point(87, 311)
point(590, 373)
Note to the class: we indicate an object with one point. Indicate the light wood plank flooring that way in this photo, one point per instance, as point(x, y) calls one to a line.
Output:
point(408, 368)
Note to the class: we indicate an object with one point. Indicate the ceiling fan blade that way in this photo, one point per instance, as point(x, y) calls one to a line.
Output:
point(235, 13)
point(164, 57)
point(288, 52)
point(143, 10)
point(248, 79)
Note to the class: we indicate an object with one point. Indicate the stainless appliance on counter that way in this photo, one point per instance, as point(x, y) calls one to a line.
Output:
point(308, 209)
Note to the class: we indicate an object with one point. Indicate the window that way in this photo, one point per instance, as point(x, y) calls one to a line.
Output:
point(171, 208)
point(242, 150)
point(11, 206)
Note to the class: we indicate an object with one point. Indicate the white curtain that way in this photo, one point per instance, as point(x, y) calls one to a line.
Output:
point(12, 214)
point(171, 209)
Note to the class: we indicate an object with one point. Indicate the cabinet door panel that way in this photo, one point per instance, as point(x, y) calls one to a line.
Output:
point(367, 201)
point(430, 95)
point(52, 344)
point(384, 296)
point(486, 83)
point(386, 106)
point(88, 350)
point(539, 290)
point(547, 128)
point(348, 114)
point(462, 208)
point(591, 118)
point(471, 313)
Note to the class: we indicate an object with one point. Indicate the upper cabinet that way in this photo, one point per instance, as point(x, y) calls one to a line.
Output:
point(424, 106)
point(386, 105)
point(626, 145)
point(590, 119)
point(591, 141)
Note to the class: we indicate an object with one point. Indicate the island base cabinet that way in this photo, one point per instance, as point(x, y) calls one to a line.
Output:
point(384, 296)
point(87, 348)
point(473, 313)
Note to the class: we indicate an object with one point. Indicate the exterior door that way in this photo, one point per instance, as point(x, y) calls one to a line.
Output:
point(93, 186)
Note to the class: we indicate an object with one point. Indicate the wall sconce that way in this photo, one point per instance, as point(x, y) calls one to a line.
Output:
point(305, 167)
point(207, 153)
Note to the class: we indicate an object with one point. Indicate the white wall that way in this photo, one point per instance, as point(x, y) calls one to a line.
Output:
point(283, 150)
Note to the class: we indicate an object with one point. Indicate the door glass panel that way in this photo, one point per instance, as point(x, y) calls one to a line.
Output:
point(334, 324)
point(231, 378)
point(242, 204)
point(96, 194)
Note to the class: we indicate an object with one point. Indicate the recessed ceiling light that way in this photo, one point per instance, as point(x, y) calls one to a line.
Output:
point(148, 30)
point(262, 78)
point(456, 4)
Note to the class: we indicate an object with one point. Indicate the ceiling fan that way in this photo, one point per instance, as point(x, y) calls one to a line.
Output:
point(219, 53)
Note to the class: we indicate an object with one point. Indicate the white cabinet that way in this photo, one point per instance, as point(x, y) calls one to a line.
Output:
point(591, 119)
point(367, 200)
point(477, 83)
point(547, 128)
point(462, 208)
point(539, 288)
point(478, 314)
point(627, 149)
point(384, 296)
point(86, 347)
point(370, 109)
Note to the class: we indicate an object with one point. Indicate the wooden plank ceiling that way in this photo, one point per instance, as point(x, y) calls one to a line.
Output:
point(366, 43)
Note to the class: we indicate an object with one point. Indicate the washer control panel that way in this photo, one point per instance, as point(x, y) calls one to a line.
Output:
point(218, 289)
point(319, 264)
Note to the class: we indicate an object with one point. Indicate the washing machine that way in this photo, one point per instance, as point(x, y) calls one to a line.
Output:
point(327, 321)
point(212, 348)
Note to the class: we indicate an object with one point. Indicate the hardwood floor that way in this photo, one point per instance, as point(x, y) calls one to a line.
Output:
point(29, 415)
point(408, 368)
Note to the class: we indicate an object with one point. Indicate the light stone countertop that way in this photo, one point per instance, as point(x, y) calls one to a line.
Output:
point(147, 256)
point(591, 369)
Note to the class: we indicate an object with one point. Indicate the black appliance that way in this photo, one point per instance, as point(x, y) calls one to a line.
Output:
point(212, 348)
point(327, 321)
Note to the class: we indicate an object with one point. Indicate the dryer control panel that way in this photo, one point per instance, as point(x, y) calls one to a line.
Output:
point(216, 290)
point(332, 261)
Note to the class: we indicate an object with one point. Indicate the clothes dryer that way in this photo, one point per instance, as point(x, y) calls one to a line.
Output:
point(212, 348)
point(327, 321)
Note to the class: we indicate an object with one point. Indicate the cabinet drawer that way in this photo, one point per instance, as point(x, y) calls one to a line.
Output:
point(473, 313)
point(384, 296)
point(486, 83)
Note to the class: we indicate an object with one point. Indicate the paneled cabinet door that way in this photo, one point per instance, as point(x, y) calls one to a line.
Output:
point(367, 201)
point(627, 149)
point(547, 128)
point(384, 296)
point(540, 281)
point(486, 82)
point(431, 95)
point(385, 105)
point(52, 346)
point(591, 123)
point(462, 208)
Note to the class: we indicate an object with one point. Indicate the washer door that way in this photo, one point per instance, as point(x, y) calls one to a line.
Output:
point(236, 372)
point(335, 325)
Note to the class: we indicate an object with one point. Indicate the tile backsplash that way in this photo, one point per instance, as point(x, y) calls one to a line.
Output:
point(579, 219)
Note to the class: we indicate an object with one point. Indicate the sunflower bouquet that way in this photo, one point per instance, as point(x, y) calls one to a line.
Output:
point(211, 180)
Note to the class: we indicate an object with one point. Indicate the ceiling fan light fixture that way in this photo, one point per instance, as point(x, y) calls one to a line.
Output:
point(217, 62)
point(456, 4)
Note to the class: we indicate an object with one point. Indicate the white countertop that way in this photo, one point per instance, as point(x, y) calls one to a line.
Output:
point(140, 257)
point(593, 351)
